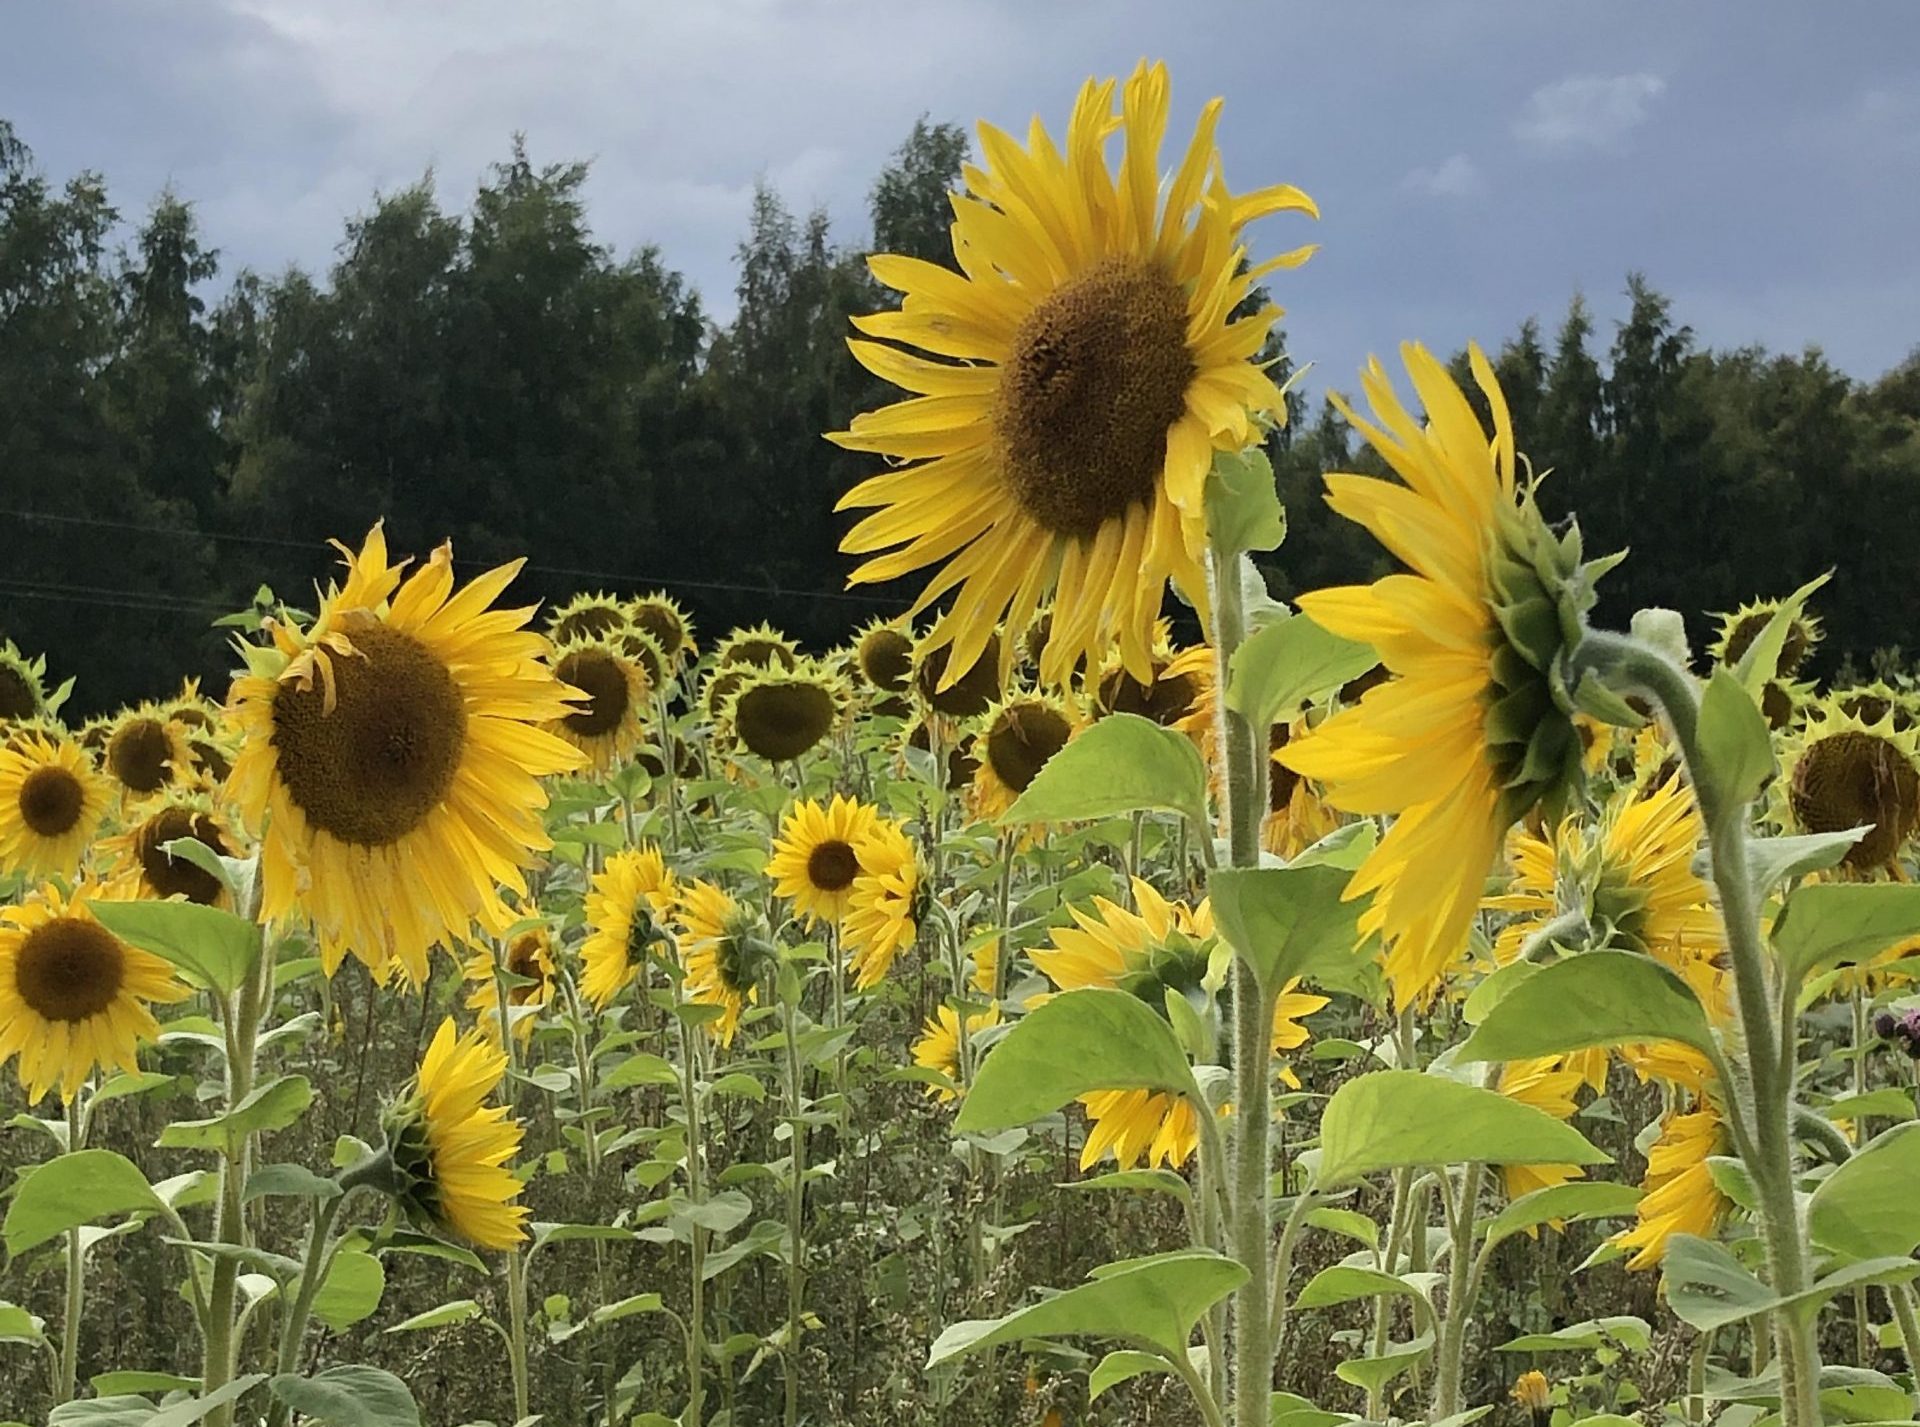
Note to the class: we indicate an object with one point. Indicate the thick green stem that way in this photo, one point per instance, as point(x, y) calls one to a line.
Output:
point(313, 1273)
point(1906, 1314)
point(76, 1276)
point(1461, 1281)
point(697, 1236)
point(230, 1227)
point(796, 1213)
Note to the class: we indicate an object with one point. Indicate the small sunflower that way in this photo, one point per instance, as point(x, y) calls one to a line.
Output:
point(725, 953)
point(393, 754)
point(193, 710)
point(966, 695)
point(1843, 772)
point(1533, 1392)
point(51, 805)
point(530, 959)
point(1739, 629)
point(644, 650)
point(1550, 1084)
point(660, 615)
point(1681, 1197)
point(1473, 730)
point(762, 647)
point(451, 1150)
point(883, 652)
point(963, 769)
point(147, 752)
point(23, 688)
point(884, 904)
point(782, 715)
point(938, 1047)
point(588, 617)
point(814, 864)
point(73, 996)
point(1783, 701)
point(605, 721)
point(1018, 739)
point(1178, 687)
point(139, 864)
point(627, 903)
point(1094, 364)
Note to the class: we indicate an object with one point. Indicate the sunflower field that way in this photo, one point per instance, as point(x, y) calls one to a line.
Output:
point(1413, 1005)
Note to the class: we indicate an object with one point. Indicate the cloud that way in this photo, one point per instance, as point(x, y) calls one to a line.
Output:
point(1587, 111)
point(1454, 177)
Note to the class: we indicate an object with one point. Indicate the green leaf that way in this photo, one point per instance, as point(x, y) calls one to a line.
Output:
point(1581, 1199)
point(288, 1181)
point(1826, 922)
point(460, 1310)
point(1243, 505)
point(1867, 1208)
point(74, 1189)
point(1287, 921)
point(1090, 1039)
point(351, 1291)
point(210, 947)
point(103, 1412)
point(1120, 1366)
point(1153, 1301)
point(1290, 1409)
point(272, 1106)
point(1373, 1374)
point(19, 1326)
point(641, 1068)
point(350, 1396)
point(1708, 1288)
point(1123, 764)
point(1761, 661)
point(123, 1085)
point(1590, 999)
point(1344, 1283)
point(1735, 749)
point(1289, 663)
point(1390, 1119)
point(1773, 860)
point(1630, 1332)
point(1348, 1223)
point(1152, 1181)
point(119, 1384)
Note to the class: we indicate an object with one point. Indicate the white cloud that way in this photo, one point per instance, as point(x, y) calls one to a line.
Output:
point(1456, 176)
point(1587, 111)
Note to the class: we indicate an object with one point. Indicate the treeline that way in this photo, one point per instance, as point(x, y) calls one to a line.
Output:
point(498, 376)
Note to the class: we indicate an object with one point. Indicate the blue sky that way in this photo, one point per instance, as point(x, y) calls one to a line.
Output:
point(1476, 161)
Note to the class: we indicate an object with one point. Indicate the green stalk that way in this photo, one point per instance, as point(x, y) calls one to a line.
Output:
point(313, 1273)
point(230, 1227)
point(1906, 1314)
point(796, 1212)
point(76, 1276)
point(1461, 1281)
point(696, 1311)
point(517, 1352)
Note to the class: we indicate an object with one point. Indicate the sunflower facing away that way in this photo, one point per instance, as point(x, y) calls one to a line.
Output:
point(883, 907)
point(1084, 366)
point(762, 647)
point(530, 961)
point(627, 903)
point(814, 864)
point(140, 865)
point(51, 804)
point(604, 722)
point(1843, 772)
point(451, 1149)
point(1469, 733)
point(73, 996)
point(884, 655)
point(725, 954)
point(393, 753)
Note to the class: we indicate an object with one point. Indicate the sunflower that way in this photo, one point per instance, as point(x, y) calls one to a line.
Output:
point(51, 804)
point(660, 615)
point(588, 617)
point(782, 715)
point(884, 904)
point(963, 769)
point(716, 695)
point(938, 1047)
point(146, 752)
point(883, 652)
point(1470, 732)
point(393, 753)
point(73, 996)
point(626, 904)
point(725, 952)
point(23, 689)
point(193, 710)
point(761, 647)
point(604, 722)
point(1681, 1197)
point(1095, 365)
point(814, 864)
point(450, 1149)
point(1739, 629)
point(1533, 1392)
point(1546, 1083)
point(966, 695)
point(529, 958)
point(1880, 700)
point(644, 650)
point(139, 864)
point(1018, 739)
point(1297, 816)
point(1843, 772)
point(1178, 687)
point(1783, 701)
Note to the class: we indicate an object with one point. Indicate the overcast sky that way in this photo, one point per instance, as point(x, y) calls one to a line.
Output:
point(1475, 160)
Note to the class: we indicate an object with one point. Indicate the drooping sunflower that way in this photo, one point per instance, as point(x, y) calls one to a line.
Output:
point(725, 953)
point(147, 752)
point(23, 688)
point(660, 615)
point(1550, 1084)
point(1739, 629)
point(883, 653)
point(451, 1150)
point(762, 647)
point(938, 1047)
point(780, 715)
point(1878, 700)
point(1472, 731)
point(605, 721)
point(1842, 772)
point(814, 864)
point(51, 805)
point(962, 767)
point(628, 902)
point(193, 710)
point(73, 996)
point(1783, 701)
point(965, 695)
point(1086, 364)
point(644, 650)
point(884, 903)
point(1178, 686)
point(138, 863)
point(589, 617)
point(393, 754)
point(1681, 1196)
point(529, 959)
point(1016, 742)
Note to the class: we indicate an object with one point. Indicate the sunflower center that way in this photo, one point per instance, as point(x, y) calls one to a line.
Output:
point(662, 624)
point(831, 866)
point(50, 801)
point(779, 721)
point(523, 959)
point(886, 658)
point(140, 755)
point(1851, 779)
point(1021, 741)
point(169, 875)
point(1166, 700)
point(18, 698)
point(370, 771)
point(970, 694)
point(69, 969)
point(598, 675)
point(1098, 374)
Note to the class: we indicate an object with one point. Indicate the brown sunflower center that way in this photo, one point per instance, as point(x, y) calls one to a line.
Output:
point(663, 624)
point(140, 755)
point(69, 968)
point(18, 697)
point(598, 675)
point(1793, 649)
point(370, 771)
point(1166, 701)
point(1098, 374)
point(1021, 741)
point(886, 658)
point(831, 866)
point(592, 622)
point(50, 801)
point(1852, 779)
point(169, 875)
point(782, 720)
point(970, 694)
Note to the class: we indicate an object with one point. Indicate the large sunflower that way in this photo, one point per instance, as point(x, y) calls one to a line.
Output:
point(1470, 732)
point(1549, 1083)
point(451, 1149)
point(140, 865)
point(627, 903)
point(814, 864)
point(73, 996)
point(724, 953)
point(883, 906)
point(51, 804)
point(393, 753)
point(1092, 366)
point(605, 721)
point(1843, 772)
point(781, 715)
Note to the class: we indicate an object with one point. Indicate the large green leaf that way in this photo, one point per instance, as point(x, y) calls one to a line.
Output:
point(1827, 922)
point(1630, 1332)
point(272, 1106)
point(350, 1396)
point(1374, 1373)
point(1291, 662)
point(1593, 998)
point(1736, 752)
point(461, 1310)
point(1867, 1207)
point(210, 947)
point(1391, 1119)
point(1152, 1302)
point(351, 1291)
point(1772, 860)
point(1091, 1039)
point(1708, 1288)
point(74, 1189)
point(181, 1414)
point(19, 1326)
point(1243, 506)
point(1572, 1202)
point(1286, 921)
point(1123, 764)
point(1343, 1283)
